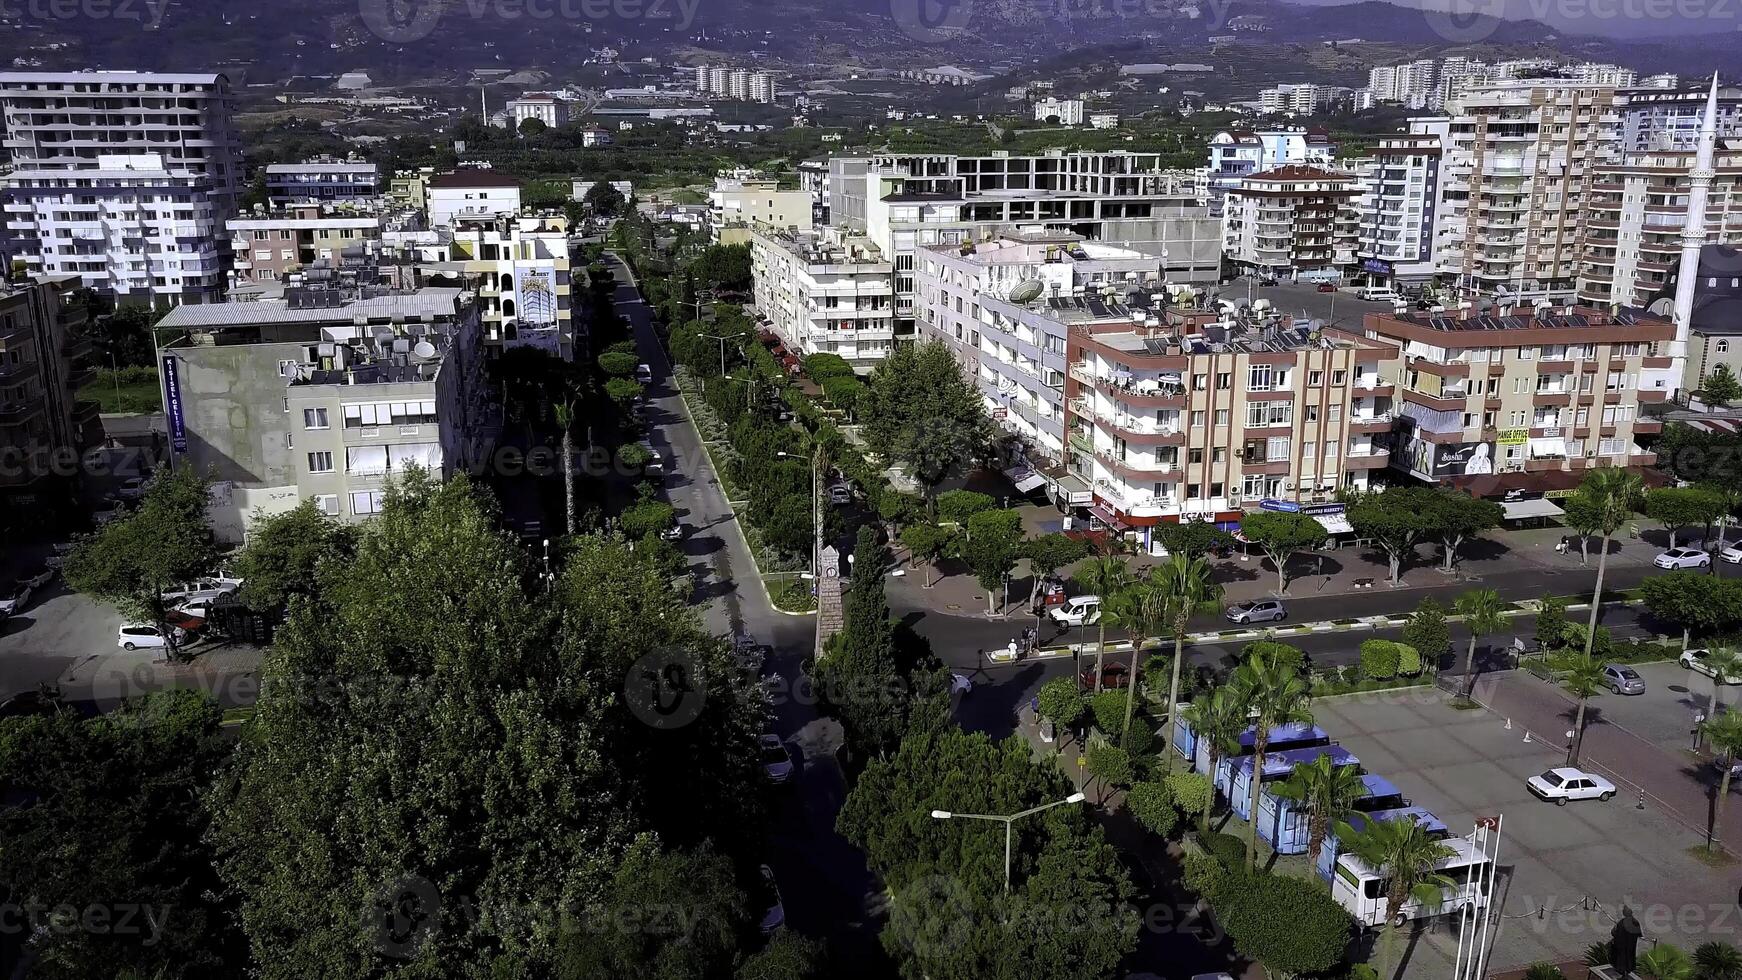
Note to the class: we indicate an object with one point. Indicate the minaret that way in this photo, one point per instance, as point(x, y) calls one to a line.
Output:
point(1694, 233)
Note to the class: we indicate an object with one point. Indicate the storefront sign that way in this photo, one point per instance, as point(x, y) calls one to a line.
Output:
point(178, 432)
point(1514, 437)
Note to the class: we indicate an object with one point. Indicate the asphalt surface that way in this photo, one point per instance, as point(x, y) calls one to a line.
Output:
point(828, 890)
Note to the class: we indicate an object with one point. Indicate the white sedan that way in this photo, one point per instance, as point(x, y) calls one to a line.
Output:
point(1682, 558)
point(1732, 554)
point(1699, 662)
point(1567, 783)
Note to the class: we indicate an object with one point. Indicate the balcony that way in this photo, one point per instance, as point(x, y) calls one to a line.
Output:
point(1145, 470)
point(1372, 459)
point(1377, 422)
point(1149, 393)
point(76, 345)
point(1545, 464)
point(1449, 400)
point(18, 413)
point(1551, 398)
point(1647, 427)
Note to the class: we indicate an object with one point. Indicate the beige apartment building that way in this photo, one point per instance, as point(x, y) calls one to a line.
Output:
point(1523, 397)
point(268, 247)
point(1195, 417)
point(825, 292)
point(521, 265)
point(1292, 219)
point(1635, 218)
point(1520, 160)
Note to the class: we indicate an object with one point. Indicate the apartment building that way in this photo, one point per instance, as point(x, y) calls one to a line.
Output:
point(762, 87)
point(905, 203)
point(1063, 112)
point(1412, 84)
point(1398, 206)
point(324, 397)
point(411, 187)
point(321, 180)
point(520, 264)
point(269, 247)
point(128, 226)
point(45, 357)
point(470, 194)
point(1302, 99)
point(1656, 119)
point(825, 292)
point(740, 202)
point(1237, 153)
point(72, 120)
point(1636, 215)
point(1004, 307)
point(1519, 162)
point(1181, 414)
point(1529, 396)
point(1290, 220)
point(553, 109)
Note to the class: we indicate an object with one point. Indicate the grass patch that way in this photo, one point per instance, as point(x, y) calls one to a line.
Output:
point(130, 391)
point(1711, 859)
point(1464, 704)
point(789, 593)
point(1345, 622)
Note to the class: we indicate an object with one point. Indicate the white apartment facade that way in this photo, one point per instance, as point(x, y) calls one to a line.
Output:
point(321, 181)
point(825, 293)
point(740, 202)
point(1291, 220)
point(1636, 215)
point(269, 247)
point(128, 226)
point(1067, 112)
point(470, 194)
point(1398, 206)
point(551, 108)
point(997, 305)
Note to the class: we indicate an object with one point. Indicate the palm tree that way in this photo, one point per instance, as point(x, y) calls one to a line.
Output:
point(1218, 720)
point(1123, 610)
point(1481, 611)
point(1583, 682)
point(1145, 616)
point(1105, 576)
point(1182, 586)
point(565, 420)
point(1613, 492)
point(1403, 853)
point(1725, 664)
point(1717, 961)
point(1665, 962)
point(1724, 734)
point(1274, 695)
point(1326, 793)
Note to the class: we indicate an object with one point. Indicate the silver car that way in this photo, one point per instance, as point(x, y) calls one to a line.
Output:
point(1262, 611)
point(1622, 679)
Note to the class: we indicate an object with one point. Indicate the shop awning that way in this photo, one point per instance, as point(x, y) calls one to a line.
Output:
point(1106, 516)
point(1334, 523)
point(1025, 479)
point(1518, 510)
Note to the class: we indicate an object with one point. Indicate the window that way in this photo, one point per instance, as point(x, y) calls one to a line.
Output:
point(1335, 414)
point(1195, 455)
point(1200, 381)
point(1723, 347)
point(367, 502)
point(1330, 450)
point(1224, 381)
point(1260, 414)
point(1197, 420)
point(389, 413)
point(289, 443)
point(314, 418)
point(1339, 377)
point(1259, 378)
point(1312, 413)
point(1315, 378)
point(1276, 447)
point(1253, 486)
point(1219, 454)
point(1222, 415)
point(320, 462)
point(1613, 447)
point(1516, 420)
point(1308, 450)
point(327, 503)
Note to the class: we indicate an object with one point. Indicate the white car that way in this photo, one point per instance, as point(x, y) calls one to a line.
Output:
point(1082, 610)
point(1732, 554)
point(132, 489)
point(1567, 783)
point(144, 636)
point(775, 916)
point(776, 758)
point(13, 600)
point(644, 374)
point(1261, 611)
point(1696, 661)
point(960, 684)
point(1682, 558)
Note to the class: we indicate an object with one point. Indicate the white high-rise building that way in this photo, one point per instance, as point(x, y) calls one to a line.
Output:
point(1399, 204)
point(738, 84)
point(761, 87)
point(1068, 112)
point(701, 78)
point(129, 226)
point(717, 78)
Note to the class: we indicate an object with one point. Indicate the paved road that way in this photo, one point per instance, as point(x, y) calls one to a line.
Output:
point(824, 880)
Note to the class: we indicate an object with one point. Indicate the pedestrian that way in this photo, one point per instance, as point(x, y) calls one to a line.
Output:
point(1012, 649)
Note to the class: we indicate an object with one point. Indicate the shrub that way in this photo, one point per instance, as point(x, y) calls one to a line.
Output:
point(622, 347)
point(1061, 701)
point(1110, 764)
point(843, 393)
point(1140, 741)
point(1228, 850)
point(1108, 708)
point(1289, 924)
point(1544, 971)
point(1379, 659)
point(618, 365)
point(1427, 631)
point(634, 456)
point(1278, 654)
point(1189, 790)
point(1408, 660)
point(821, 367)
point(1153, 807)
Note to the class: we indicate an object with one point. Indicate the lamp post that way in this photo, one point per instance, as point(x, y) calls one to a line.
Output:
point(722, 340)
point(1009, 822)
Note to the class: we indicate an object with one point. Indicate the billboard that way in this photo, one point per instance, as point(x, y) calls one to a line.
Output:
point(535, 294)
point(1453, 459)
point(178, 430)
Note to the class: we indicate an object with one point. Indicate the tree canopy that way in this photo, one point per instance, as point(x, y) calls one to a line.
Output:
point(1281, 535)
point(922, 413)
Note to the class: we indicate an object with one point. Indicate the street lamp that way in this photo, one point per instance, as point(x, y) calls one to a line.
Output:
point(1008, 822)
point(722, 340)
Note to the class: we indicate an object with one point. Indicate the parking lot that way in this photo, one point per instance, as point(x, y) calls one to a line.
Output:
point(1664, 714)
point(1565, 871)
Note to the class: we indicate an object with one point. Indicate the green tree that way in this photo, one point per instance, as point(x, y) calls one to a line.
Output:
point(284, 555)
point(1694, 601)
point(647, 517)
point(992, 545)
point(1217, 720)
point(1046, 554)
point(1457, 517)
point(860, 682)
point(663, 914)
point(1396, 518)
point(1106, 576)
point(1721, 385)
point(108, 810)
point(1110, 765)
point(1584, 682)
point(1061, 701)
point(788, 956)
point(1274, 695)
point(624, 393)
point(1153, 807)
point(1182, 586)
point(1724, 733)
point(1585, 517)
point(921, 413)
point(1481, 609)
point(132, 561)
point(1407, 857)
point(1725, 663)
point(1681, 507)
point(1326, 793)
point(1280, 535)
point(618, 364)
point(1717, 960)
point(603, 199)
point(1427, 631)
point(928, 543)
point(1610, 494)
point(1551, 625)
point(1194, 539)
point(1288, 924)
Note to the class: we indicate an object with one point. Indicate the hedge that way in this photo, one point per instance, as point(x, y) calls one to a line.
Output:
point(1379, 659)
point(1190, 791)
point(1289, 924)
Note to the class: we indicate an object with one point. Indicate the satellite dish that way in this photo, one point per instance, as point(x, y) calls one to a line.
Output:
point(424, 350)
point(1027, 291)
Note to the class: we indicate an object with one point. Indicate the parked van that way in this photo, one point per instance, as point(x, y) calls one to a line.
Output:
point(1376, 294)
point(1082, 610)
point(1362, 890)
